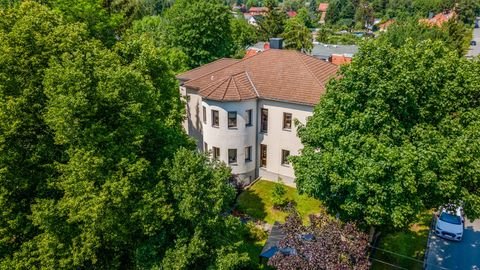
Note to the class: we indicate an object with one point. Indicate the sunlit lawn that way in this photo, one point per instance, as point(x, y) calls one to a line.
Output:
point(257, 203)
point(411, 243)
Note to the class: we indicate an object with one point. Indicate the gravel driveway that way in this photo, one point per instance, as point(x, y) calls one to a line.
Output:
point(465, 255)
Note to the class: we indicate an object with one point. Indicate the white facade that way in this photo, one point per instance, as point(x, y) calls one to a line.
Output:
point(276, 138)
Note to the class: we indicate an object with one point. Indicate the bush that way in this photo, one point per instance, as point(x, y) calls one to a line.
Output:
point(278, 194)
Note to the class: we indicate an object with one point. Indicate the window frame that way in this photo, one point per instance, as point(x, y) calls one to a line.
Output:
point(264, 121)
point(204, 116)
point(216, 152)
point(217, 118)
point(248, 154)
point(235, 161)
point(249, 118)
point(263, 159)
point(230, 118)
point(284, 159)
point(285, 114)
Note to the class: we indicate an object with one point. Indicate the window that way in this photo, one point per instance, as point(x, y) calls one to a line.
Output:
point(204, 115)
point(248, 153)
point(263, 155)
point(287, 121)
point(215, 118)
point(232, 156)
point(264, 121)
point(248, 119)
point(232, 119)
point(285, 155)
point(205, 147)
point(216, 152)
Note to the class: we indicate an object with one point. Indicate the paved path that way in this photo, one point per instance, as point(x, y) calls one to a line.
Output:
point(475, 50)
point(465, 255)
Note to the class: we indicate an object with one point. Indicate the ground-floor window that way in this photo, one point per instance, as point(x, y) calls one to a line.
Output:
point(216, 152)
point(248, 153)
point(285, 154)
point(263, 155)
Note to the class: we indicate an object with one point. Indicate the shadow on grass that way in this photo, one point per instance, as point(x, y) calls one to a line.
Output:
point(404, 248)
point(251, 204)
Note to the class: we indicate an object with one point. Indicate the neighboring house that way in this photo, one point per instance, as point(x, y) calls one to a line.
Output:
point(255, 11)
point(440, 18)
point(243, 111)
point(291, 13)
point(384, 26)
point(322, 9)
point(252, 19)
point(337, 54)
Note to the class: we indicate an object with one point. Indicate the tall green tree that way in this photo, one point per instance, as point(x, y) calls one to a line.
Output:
point(297, 36)
point(396, 134)
point(95, 169)
point(243, 35)
point(273, 24)
point(200, 28)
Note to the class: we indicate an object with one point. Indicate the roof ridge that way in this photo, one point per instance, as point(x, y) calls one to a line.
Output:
point(215, 88)
point(224, 58)
point(236, 87)
point(251, 83)
point(311, 73)
point(226, 88)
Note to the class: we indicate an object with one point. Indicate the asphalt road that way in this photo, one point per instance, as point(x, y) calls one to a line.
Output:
point(475, 50)
point(465, 255)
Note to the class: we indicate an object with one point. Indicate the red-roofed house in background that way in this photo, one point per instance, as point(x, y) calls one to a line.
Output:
point(440, 18)
point(255, 11)
point(322, 8)
point(340, 59)
point(291, 13)
point(243, 111)
point(384, 26)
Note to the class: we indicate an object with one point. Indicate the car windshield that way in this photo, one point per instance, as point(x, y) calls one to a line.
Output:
point(449, 218)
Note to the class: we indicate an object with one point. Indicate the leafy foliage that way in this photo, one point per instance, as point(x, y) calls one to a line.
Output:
point(297, 36)
point(273, 24)
point(199, 28)
point(95, 169)
point(334, 245)
point(395, 135)
point(278, 194)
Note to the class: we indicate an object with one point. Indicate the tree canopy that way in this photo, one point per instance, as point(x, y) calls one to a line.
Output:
point(325, 243)
point(95, 169)
point(396, 134)
point(297, 36)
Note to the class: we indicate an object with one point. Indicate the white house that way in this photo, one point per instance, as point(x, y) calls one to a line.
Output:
point(243, 111)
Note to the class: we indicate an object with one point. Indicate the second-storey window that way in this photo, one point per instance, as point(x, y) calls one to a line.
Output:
point(287, 121)
point(248, 118)
point(232, 156)
point(264, 120)
point(215, 118)
point(204, 115)
point(232, 119)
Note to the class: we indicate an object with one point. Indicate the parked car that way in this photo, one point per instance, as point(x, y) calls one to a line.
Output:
point(450, 223)
point(473, 43)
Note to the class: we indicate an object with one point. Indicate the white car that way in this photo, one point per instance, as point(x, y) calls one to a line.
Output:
point(450, 224)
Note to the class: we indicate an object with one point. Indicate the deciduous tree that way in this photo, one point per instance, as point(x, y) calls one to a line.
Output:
point(395, 135)
point(325, 243)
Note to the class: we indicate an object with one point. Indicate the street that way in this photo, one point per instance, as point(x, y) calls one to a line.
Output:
point(445, 254)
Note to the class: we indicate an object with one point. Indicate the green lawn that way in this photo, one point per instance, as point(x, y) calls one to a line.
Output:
point(256, 202)
point(411, 243)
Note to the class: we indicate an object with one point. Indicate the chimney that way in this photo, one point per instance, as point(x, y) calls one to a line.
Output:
point(276, 43)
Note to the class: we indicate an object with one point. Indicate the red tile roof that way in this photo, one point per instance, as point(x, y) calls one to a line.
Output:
point(291, 13)
point(283, 75)
point(200, 71)
point(440, 18)
point(322, 7)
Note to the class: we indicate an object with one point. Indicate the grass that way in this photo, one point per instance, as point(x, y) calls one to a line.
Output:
point(257, 203)
point(410, 243)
